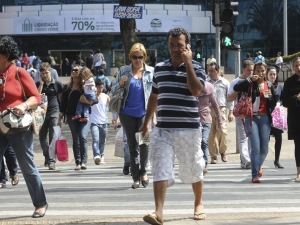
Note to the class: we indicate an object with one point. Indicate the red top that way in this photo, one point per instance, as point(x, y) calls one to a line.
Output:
point(13, 91)
point(263, 108)
point(25, 60)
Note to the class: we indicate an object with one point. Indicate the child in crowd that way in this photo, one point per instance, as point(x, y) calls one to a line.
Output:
point(89, 92)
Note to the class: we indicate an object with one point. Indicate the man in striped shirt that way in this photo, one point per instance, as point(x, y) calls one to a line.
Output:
point(176, 84)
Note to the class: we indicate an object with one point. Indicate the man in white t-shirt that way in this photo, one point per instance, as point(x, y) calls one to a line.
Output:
point(31, 58)
point(278, 63)
point(243, 142)
point(210, 60)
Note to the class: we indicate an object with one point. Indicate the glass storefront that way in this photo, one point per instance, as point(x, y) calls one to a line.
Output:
point(258, 27)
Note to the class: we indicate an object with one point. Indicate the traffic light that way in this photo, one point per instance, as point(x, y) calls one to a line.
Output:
point(215, 9)
point(227, 28)
point(198, 52)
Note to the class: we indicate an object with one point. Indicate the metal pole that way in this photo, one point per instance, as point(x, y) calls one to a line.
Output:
point(237, 74)
point(285, 28)
point(218, 46)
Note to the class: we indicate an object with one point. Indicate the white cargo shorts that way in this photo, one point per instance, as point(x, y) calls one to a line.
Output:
point(186, 145)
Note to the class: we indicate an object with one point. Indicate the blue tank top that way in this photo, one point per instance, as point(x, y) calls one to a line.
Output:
point(135, 102)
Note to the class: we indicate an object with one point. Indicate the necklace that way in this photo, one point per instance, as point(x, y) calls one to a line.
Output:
point(3, 78)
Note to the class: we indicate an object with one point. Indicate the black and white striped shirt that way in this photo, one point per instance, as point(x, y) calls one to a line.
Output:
point(177, 107)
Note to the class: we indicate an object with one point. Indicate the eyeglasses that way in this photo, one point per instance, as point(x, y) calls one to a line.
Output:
point(74, 70)
point(137, 57)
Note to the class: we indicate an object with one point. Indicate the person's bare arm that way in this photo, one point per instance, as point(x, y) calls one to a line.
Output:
point(232, 97)
point(193, 82)
point(151, 108)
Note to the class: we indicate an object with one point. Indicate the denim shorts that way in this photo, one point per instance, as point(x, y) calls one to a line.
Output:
point(186, 145)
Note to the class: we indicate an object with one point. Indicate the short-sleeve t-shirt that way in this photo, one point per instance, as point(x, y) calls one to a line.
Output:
point(177, 107)
point(232, 84)
point(89, 89)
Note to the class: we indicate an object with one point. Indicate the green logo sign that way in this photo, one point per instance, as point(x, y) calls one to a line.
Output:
point(156, 23)
point(27, 26)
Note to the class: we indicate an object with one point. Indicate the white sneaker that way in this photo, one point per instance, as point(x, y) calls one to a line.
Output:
point(97, 160)
point(247, 165)
point(102, 159)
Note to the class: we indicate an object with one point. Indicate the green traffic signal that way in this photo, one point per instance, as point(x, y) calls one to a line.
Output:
point(198, 56)
point(227, 41)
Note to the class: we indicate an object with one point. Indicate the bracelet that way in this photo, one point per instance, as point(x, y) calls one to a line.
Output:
point(27, 107)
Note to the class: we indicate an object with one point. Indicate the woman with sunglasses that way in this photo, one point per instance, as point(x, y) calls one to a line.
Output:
point(137, 78)
point(264, 102)
point(11, 96)
point(79, 130)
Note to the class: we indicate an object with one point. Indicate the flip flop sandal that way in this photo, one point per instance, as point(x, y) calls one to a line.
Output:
point(152, 220)
point(200, 216)
point(14, 179)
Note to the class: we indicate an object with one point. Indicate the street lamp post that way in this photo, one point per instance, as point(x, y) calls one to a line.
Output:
point(285, 31)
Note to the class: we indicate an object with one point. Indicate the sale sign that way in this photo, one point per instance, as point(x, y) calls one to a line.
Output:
point(128, 12)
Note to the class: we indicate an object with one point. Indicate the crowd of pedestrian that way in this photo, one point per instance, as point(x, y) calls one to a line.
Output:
point(187, 109)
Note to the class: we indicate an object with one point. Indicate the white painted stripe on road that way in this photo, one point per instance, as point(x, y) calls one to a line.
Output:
point(142, 212)
point(151, 203)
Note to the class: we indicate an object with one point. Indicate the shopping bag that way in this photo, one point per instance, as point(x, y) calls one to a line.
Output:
point(279, 118)
point(119, 144)
point(52, 146)
point(62, 151)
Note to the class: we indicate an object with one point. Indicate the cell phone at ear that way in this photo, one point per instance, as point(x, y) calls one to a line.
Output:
point(188, 45)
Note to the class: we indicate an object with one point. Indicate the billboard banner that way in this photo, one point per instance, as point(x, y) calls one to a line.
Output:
point(96, 24)
point(128, 12)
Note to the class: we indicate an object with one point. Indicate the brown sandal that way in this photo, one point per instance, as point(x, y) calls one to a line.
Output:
point(14, 179)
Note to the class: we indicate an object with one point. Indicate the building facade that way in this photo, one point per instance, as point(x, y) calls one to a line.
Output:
point(258, 27)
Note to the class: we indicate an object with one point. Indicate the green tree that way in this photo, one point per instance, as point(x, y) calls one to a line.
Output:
point(266, 16)
point(127, 28)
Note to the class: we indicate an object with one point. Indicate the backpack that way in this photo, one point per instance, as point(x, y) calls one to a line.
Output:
point(32, 74)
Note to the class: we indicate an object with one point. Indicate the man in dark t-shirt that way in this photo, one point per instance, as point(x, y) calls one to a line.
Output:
point(52, 89)
point(89, 61)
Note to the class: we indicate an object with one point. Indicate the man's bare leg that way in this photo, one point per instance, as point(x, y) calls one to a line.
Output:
point(159, 189)
point(198, 205)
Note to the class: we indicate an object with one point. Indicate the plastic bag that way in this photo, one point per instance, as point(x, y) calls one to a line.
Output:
point(62, 151)
point(279, 118)
point(119, 152)
point(52, 146)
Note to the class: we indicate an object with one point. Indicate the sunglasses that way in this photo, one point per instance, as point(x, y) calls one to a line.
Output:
point(74, 70)
point(137, 57)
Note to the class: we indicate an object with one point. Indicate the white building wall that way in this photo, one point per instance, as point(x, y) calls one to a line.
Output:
point(192, 11)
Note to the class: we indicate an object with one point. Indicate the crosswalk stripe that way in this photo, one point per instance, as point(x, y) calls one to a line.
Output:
point(64, 185)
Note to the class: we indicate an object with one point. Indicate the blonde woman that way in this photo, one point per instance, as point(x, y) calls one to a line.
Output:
point(137, 79)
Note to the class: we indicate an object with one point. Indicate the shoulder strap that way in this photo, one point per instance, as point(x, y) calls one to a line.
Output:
point(25, 98)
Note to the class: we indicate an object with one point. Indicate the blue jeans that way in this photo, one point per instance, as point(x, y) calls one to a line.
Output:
point(22, 144)
point(204, 142)
point(79, 132)
point(259, 139)
point(126, 150)
point(11, 162)
point(83, 108)
point(99, 132)
point(49, 123)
